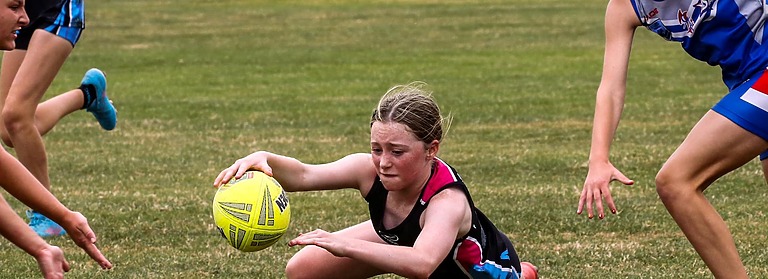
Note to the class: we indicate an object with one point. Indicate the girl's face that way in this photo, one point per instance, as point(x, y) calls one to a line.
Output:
point(12, 18)
point(401, 160)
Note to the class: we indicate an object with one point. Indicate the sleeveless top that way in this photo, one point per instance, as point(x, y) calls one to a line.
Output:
point(726, 33)
point(484, 252)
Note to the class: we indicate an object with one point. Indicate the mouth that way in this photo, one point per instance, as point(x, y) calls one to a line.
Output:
point(387, 175)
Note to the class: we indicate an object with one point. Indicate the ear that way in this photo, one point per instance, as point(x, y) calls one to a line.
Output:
point(433, 148)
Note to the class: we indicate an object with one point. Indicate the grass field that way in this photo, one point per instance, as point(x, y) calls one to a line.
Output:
point(199, 84)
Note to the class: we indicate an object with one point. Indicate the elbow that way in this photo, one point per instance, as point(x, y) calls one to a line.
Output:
point(420, 270)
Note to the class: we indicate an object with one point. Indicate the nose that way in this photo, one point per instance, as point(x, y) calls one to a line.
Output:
point(24, 20)
point(384, 161)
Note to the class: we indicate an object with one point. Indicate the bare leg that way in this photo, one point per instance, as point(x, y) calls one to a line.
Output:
point(35, 70)
point(707, 153)
point(54, 109)
point(315, 262)
point(765, 169)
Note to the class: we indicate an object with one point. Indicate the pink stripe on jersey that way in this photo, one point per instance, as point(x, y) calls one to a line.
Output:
point(468, 253)
point(441, 176)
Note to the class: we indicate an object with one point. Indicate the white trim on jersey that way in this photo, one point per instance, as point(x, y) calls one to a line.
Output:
point(756, 98)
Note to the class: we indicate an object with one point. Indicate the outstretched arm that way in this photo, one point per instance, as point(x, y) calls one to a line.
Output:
point(20, 183)
point(620, 25)
point(352, 171)
point(50, 259)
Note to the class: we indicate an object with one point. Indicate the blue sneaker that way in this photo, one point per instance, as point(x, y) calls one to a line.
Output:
point(43, 226)
point(101, 108)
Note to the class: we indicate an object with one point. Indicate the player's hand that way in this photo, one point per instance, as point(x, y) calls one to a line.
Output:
point(51, 262)
point(323, 239)
point(81, 233)
point(597, 188)
point(254, 161)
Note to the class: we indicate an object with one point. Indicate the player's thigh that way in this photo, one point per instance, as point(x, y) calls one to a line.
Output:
point(315, 262)
point(10, 65)
point(714, 147)
point(44, 57)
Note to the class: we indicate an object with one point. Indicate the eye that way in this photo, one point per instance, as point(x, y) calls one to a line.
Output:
point(375, 150)
point(397, 152)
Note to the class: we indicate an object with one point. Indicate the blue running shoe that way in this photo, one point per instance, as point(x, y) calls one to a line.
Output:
point(101, 108)
point(43, 226)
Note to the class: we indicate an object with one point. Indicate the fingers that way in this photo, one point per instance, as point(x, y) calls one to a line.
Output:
point(241, 169)
point(309, 238)
point(88, 243)
point(582, 200)
point(226, 175)
point(611, 205)
point(597, 197)
point(97, 256)
point(65, 266)
point(590, 200)
point(85, 238)
point(236, 171)
point(624, 180)
point(593, 201)
point(219, 179)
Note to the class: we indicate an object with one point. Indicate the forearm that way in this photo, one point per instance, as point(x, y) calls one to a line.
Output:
point(287, 170)
point(606, 120)
point(17, 181)
point(350, 171)
point(17, 232)
point(401, 260)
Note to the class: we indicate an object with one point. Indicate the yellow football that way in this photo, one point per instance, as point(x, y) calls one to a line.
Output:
point(251, 212)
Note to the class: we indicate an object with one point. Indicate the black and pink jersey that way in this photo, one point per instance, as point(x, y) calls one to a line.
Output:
point(484, 252)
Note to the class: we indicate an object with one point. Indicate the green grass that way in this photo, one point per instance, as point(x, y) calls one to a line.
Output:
point(200, 84)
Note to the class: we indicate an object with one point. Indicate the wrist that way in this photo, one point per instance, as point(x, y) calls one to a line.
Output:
point(39, 248)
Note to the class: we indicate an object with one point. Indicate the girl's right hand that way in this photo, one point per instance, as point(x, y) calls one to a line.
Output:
point(254, 161)
point(51, 262)
point(81, 233)
point(597, 187)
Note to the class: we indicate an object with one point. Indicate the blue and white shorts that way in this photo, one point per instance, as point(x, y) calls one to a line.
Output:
point(747, 106)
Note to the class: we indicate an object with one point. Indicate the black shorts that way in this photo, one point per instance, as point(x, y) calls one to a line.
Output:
point(64, 18)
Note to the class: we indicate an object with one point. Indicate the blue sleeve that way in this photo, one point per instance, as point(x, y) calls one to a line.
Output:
point(764, 155)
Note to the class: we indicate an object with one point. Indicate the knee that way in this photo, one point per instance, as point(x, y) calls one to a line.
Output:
point(662, 185)
point(14, 120)
point(10, 126)
point(296, 269)
point(671, 185)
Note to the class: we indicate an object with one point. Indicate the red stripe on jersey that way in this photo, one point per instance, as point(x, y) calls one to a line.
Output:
point(761, 84)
